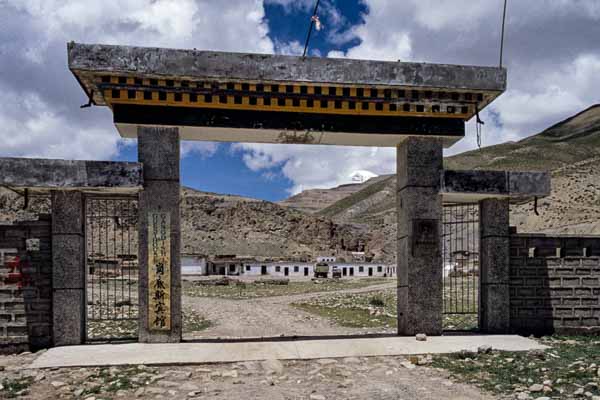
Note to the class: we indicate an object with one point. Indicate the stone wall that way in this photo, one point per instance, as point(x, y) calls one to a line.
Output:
point(26, 304)
point(554, 284)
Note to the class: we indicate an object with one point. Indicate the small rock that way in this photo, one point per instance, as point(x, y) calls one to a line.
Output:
point(327, 361)
point(168, 384)
point(591, 385)
point(522, 396)
point(272, 366)
point(230, 374)
point(57, 384)
point(536, 388)
point(188, 387)
point(172, 392)
point(1, 386)
point(408, 365)
point(414, 359)
point(194, 393)
point(78, 392)
point(421, 337)
point(543, 398)
point(485, 349)
point(425, 360)
point(139, 392)
point(579, 392)
point(155, 390)
point(316, 397)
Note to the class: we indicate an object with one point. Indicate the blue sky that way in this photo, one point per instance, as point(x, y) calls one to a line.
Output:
point(552, 56)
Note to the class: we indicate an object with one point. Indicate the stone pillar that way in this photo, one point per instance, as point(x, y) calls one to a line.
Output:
point(494, 258)
point(158, 150)
point(419, 259)
point(68, 268)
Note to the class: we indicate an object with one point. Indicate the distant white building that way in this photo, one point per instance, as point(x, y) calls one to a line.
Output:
point(192, 264)
point(230, 265)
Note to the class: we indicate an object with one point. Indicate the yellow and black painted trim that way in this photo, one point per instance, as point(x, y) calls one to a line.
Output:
point(291, 97)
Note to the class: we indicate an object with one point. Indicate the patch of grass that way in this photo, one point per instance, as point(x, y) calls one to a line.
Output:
point(111, 380)
point(377, 301)
point(194, 322)
point(353, 318)
point(252, 290)
point(571, 364)
point(360, 310)
point(379, 309)
point(13, 387)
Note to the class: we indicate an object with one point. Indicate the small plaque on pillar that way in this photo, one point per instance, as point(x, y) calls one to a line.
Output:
point(159, 271)
point(425, 236)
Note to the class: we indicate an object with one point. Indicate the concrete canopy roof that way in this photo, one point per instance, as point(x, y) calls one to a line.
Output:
point(43, 175)
point(472, 186)
point(257, 97)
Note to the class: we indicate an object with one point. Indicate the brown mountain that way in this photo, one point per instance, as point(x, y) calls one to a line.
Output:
point(348, 217)
point(569, 149)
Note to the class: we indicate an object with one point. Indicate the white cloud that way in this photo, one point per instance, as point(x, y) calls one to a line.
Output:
point(546, 99)
point(32, 128)
point(294, 48)
point(41, 116)
point(381, 37)
point(203, 149)
point(311, 166)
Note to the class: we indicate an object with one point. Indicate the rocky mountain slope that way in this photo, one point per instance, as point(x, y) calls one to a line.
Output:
point(570, 150)
point(350, 217)
point(222, 224)
point(314, 200)
point(215, 224)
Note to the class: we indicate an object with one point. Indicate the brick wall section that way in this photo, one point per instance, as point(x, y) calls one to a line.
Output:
point(554, 284)
point(26, 314)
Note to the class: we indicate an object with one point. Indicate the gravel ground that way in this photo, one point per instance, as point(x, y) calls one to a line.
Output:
point(271, 316)
point(350, 378)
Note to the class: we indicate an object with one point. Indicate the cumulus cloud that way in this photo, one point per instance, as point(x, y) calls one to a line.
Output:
point(42, 116)
point(551, 54)
point(311, 166)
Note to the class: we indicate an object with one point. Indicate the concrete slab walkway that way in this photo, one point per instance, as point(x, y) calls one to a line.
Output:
point(197, 353)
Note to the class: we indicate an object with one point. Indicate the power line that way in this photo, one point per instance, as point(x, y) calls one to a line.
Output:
point(502, 35)
point(312, 24)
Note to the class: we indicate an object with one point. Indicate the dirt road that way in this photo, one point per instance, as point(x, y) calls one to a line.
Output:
point(269, 316)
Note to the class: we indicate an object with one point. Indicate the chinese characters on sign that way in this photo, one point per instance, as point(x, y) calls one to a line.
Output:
point(159, 271)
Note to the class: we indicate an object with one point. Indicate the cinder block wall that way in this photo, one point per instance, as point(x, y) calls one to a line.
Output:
point(26, 313)
point(554, 284)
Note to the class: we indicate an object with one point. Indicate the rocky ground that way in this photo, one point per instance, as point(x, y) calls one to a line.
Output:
point(568, 370)
point(349, 378)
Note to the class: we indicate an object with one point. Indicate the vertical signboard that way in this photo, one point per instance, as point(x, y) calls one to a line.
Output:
point(159, 271)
